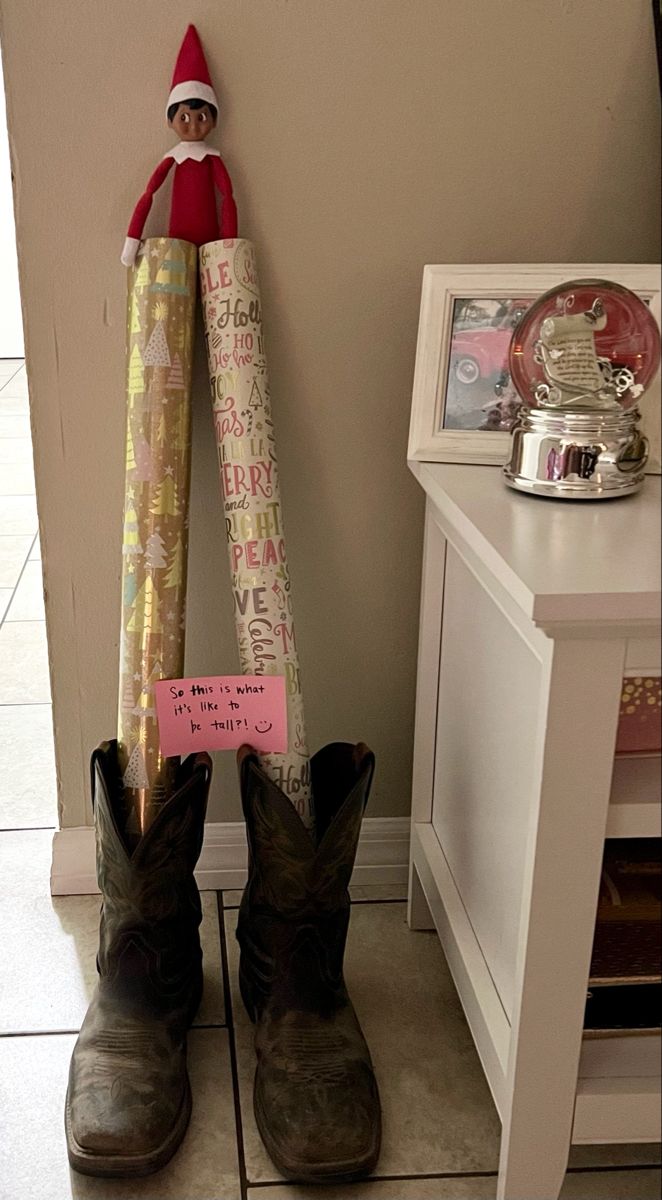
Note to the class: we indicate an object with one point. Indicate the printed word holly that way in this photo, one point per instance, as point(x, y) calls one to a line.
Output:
point(293, 779)
point(236, 315)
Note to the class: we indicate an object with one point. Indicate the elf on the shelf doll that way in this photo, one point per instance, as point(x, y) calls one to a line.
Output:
point(199, 170)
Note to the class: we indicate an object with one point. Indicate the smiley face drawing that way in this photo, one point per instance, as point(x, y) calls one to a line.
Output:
point(267, 726)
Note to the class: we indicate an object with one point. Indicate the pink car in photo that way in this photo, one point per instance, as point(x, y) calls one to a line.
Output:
point(481, 353)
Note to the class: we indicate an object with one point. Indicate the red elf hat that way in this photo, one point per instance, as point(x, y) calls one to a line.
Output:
point(190, 79)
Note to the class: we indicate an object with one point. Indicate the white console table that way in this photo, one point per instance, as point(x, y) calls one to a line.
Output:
point(531, 612)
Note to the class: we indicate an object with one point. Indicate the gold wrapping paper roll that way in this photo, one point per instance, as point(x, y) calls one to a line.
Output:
point(249, 481)
point(160, 316)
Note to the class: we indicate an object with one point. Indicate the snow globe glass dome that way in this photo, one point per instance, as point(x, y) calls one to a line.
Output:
point(588, 344)
point(580, 358)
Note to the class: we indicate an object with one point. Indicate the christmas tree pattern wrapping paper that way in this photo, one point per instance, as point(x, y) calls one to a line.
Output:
point(160, 316)
point(251, 496)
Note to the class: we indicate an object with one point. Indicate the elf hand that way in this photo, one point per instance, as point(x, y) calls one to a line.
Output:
point(131, 248)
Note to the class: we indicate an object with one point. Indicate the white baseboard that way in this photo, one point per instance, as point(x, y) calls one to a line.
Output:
point(383, 857)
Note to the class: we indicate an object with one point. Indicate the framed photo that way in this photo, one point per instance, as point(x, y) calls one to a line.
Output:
point(464, 403)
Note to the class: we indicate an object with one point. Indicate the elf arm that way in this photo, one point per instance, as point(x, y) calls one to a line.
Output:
point(228, 207)
point(141, 212)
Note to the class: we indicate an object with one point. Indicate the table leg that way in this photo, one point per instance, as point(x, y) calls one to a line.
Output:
point(418, 909)
point(427, 687)
point(579, 702)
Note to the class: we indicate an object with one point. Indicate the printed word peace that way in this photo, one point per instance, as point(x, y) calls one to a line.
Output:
point(268, 553)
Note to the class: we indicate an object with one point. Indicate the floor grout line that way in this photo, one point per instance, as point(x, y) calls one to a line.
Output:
point(611, 1168)
point(28, 1033)
point(28, 828)
point(32, 621)
point(15, 1033)
point(20, 576)
point(13, 375)
point(370, 1179)
point(450, 1175)
point(386, 900)
point(229, 1017)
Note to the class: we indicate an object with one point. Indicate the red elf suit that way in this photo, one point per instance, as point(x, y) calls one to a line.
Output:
point(199, 169)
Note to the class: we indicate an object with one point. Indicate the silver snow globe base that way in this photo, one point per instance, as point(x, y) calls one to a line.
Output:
point(578, 455)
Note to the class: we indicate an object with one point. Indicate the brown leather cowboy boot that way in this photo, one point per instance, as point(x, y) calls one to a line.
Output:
point(315, 1095)
point(129, 1100)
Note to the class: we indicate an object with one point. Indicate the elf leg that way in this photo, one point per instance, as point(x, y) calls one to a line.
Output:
point(249, 482)
point(129, 1102)
point(161, 312)
point(315, 1095)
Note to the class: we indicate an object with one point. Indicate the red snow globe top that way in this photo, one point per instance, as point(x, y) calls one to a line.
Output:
point(588, 344)
point(199, 172)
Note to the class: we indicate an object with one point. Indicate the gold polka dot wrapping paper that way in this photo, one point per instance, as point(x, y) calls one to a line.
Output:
point(640, 717)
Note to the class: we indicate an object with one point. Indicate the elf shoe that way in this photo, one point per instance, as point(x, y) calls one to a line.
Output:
point(129, 1100)
point(315, 1095)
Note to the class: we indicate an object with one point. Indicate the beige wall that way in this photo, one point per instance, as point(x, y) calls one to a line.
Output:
point(364, 139)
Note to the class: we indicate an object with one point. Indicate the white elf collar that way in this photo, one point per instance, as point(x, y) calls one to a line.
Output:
point(194, 150)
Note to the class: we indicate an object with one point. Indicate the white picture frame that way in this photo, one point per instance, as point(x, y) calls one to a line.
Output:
point(429, 440)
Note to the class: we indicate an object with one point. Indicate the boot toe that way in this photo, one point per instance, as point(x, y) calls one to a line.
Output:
point(128, 1102)
point(122, 1123)
point(320, 1130)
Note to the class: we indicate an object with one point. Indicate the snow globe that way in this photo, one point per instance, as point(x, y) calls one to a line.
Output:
point(580, 358)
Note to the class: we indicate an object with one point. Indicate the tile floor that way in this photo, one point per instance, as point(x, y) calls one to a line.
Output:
point(441, 1133)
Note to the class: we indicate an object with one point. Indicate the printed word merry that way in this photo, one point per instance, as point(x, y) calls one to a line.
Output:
point(254, 479)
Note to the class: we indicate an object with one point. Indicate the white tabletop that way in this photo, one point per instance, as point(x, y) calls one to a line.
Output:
point(560, 560)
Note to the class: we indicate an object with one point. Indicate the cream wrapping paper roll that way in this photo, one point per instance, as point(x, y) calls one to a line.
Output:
point(160, 316)
point(251, 497)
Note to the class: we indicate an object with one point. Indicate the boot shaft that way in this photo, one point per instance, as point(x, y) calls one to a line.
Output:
point(296, 875)
point(149, 942)
point(294, 914)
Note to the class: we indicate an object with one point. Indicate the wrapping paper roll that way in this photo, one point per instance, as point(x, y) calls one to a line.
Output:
point(251, 497)
point(160, 315)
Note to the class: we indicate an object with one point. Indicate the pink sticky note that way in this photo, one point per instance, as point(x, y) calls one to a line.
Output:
point(222, 712)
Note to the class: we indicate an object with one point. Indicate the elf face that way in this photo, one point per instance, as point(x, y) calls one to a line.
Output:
point(193, 124)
